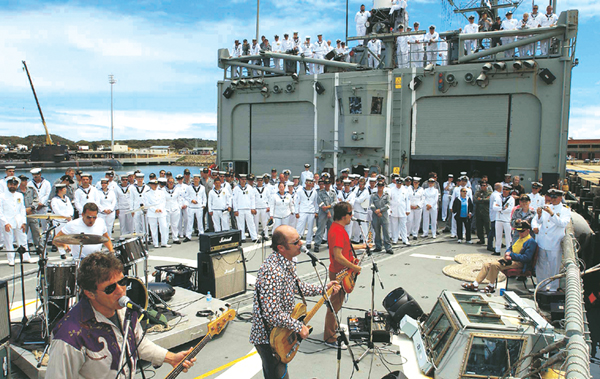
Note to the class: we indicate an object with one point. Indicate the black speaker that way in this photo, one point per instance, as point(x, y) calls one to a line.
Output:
point(395, 375)
point(4, 313)
point(213, 242)
point(223, 273)
point(4, 361)
point(549, 178)
point(399, 303)
point(228, 92)
point(547, 76)
point(319, 88)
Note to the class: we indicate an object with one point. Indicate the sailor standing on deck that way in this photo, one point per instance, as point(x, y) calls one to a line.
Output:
point(43, 188)
point(236, 53)
point(13, 218)
point(399, 212)
point(244, 208)
point(327, 198)
point(503, 206)
point(255, 50)
point(281, 207)
point(347, 195)
point(548, 20)
point(306, 51)
point(184, 212)
point(139, 190)
point(470, 28)
point(277, 47)
point(196, 199)
point(402, 49)
point(374, 47)
point(261, 201)
point(290, 189)
point(107, 205)
point(416, 47)
point(507, 25)
point(175, 200)
point(417, 198)
point(361, 19)
point(306, 174)
point(319, 49)
point(124, 194)
point(156, 203)
point(219, 206)
point(537, 200)
point(362, 197)
point(31, 201)
point(86, 193)
point(306, 210)
point(10, 171)
point(431, 42)
point(431, 197)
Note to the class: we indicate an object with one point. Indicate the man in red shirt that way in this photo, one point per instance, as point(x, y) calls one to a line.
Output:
point(341, 256)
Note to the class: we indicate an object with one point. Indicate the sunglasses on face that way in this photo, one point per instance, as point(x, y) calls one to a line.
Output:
point(296, 242)
point(112, 287)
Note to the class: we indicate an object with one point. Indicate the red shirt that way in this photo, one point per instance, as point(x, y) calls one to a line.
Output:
point(338, 237)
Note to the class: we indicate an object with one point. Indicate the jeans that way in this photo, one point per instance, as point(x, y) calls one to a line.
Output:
point(460, 221)
point(491, 235)
point(381, 224)
point(483, 225)
point(272, 368)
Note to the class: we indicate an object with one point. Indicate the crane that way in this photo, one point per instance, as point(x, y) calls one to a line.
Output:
point(48, 138)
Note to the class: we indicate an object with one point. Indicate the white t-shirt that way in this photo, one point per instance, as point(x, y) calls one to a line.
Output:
point(77, 227)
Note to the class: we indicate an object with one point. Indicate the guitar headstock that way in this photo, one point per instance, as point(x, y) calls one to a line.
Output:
point(215, 327)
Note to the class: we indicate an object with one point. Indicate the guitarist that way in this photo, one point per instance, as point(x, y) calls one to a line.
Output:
point(341, 256)
point(86, 343)
point(276, 284)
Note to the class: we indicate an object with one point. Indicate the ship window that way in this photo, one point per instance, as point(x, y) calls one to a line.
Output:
point(491, 357)
point(376, 105)
point(355, 105)
point(341, 106)
point(477, 310)
point(438, 331)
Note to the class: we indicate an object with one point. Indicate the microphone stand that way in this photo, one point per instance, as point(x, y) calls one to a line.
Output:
point(375, 272)
point(342, 338)
point(124, 344)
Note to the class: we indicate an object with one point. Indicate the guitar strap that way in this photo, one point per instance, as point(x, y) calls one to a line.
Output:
point(300, 291)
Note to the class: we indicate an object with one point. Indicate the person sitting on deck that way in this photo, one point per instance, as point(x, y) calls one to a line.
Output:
point(519, 255)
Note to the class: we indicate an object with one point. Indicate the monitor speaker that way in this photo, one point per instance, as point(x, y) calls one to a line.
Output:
point(549, 178)
point(5, 361)
point(4, 313)
point(319, 88)
point(547, 76)
point(399, 303)
point(228, 93)
point(223, 273)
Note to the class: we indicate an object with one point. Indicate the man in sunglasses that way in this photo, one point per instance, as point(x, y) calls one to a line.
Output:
point(87, 341)
point(85, 224)
point(276, 284)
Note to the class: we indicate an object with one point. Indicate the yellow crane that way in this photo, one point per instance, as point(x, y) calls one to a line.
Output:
point(48, 138)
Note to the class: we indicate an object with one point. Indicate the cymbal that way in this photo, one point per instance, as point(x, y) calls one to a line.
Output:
point(128, 236)
point(48, 216)
point(81, 239)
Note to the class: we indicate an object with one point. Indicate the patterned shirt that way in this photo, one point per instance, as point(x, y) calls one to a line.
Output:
point(276, 286)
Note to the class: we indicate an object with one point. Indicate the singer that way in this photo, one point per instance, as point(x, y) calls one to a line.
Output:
point(341, 255)
point(276, 284)
point(87, 342)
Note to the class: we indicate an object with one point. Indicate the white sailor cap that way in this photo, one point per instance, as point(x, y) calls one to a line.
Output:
point(416, 179)
point(450, 176)
point(265, 175)
point(10, 167)
point(372, 179)
point(307, 165)
point(295, 177)
point(307, 37)
point(463, 173)
point(243, 176)
point(288, 183)
point(86, 175)
point(345, 170)
point(347, 181)
point(109, 172)
point(197, 175)
point(129, 173)
point(286, 172)
point(35, 171)
point(162, 180)
point(13, 179)
point(179, 176)
point(221, 172)
point(408, 178)
point(153, 181)
point(138, 175)
point(104, 180)
point(309, 180)
point(431, 180)
point(60, 185)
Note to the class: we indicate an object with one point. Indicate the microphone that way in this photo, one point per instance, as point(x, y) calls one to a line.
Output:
point(50, 229)
point(125, 301)
point(313, 257)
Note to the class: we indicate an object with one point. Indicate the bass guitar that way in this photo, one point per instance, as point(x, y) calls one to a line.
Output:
point(214, 328)
point(347, 277)
point(285, 342)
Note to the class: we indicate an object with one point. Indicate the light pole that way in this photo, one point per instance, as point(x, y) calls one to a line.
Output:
point(111, 80)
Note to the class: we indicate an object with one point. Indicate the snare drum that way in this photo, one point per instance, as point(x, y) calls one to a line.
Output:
point(60, 278)
point(131, 251)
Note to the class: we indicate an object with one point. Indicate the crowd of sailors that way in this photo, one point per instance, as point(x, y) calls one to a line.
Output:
point(412, 50)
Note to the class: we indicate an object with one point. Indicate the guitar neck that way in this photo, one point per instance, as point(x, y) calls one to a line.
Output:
point(179, 368)
point(314, 310)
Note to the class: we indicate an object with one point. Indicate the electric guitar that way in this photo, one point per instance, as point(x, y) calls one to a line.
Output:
point(347, 277)
point(214, 328)
point(285, 342)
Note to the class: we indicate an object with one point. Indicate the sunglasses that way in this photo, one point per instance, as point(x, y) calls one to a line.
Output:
point(296, 242)
point(112, 287)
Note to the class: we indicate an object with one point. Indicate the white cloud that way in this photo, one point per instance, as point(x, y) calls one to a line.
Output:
point(584, 122)
point(587, 8)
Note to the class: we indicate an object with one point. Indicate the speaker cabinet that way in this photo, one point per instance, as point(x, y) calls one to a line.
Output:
point(223, 274)
point(4, 313)
point(399, 303)
point(4, 361)
point(549, 178)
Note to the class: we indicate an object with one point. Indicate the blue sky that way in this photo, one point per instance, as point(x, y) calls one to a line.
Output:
point(164, 57)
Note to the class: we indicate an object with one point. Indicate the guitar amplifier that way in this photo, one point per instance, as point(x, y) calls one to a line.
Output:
point(359, 327)
point(5, 361)
point(219, 241)
point(222, 273)
point(4, 313)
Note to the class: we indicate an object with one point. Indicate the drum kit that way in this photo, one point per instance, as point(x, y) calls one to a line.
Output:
point(57, 288)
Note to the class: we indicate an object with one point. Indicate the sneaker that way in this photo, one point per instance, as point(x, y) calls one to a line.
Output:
point(423, 235)
point(316, 250)
point(459, 241)
point(167, 246)
point(452, 236)
point(470, 242)
point(186, 239)
point(376, 250)
point(480, 242)
point(433, 237)
point(407, 243)
point(390, 251)
point(334, 345)
point(11, 264)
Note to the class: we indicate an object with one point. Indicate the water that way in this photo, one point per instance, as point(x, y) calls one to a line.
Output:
point(51, 174)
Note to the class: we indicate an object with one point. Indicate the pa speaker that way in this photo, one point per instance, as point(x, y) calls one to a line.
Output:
point(4, 361)
point(548, 179)
point(399, 303)
point(547, 76)
point(319, 88)
point(223, 273)
point(4, 313)
point(228, 92)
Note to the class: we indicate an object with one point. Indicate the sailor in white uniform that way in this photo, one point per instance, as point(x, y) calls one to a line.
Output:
point(10, 171)
point(448, 188)
point(547, 20)
point(417, 197)
point(361, 19)
point(219, 206)
point(431, 43)
point(374, 46)
point(107, 205)
point(416, 47)
point(509, 24)
point(281, 207)
point(292, 221)
point(43, 189)
point(244, 208)
point(86, 193)
point(399, 212)
point(261, 201)
point(13, 219)
point(360, 206)
point(503, 206)
point(139, 190)
point(61, 205)
point(156, 204)
point(184, 211)
point(536, 198)
point(124, 194)
point(196, 199)
point(175, 200)
point(306, 211)
point(431, 196)
point(347, 195)
point(402, 49)
point(320, 49)
point(552, 222)
point(470, 28)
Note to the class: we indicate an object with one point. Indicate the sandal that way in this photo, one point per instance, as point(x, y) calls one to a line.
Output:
point(489, 289)
point(470, 287)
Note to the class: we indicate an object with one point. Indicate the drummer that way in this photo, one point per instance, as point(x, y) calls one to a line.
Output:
point(86, 224)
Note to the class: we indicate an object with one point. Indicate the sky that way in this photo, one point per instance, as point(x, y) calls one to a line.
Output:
point(163, 55)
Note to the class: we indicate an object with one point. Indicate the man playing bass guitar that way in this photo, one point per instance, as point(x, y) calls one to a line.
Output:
point(341, 256)
point(276, 284)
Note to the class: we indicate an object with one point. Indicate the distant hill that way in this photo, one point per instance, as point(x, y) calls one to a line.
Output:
point(178, 143)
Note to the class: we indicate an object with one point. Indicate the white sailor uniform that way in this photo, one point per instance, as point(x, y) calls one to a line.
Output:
point(196, 200)
point(175, 199)
point(306, 209)
point(124, 206)
point(243, 203)
point(155, 203)
point(108, 202)
point(218, 203)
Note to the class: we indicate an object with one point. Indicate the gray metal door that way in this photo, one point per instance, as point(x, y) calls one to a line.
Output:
point(462, 127)
point(282, 136)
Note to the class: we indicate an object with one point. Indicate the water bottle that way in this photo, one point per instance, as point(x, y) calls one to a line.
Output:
point(208, 297)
